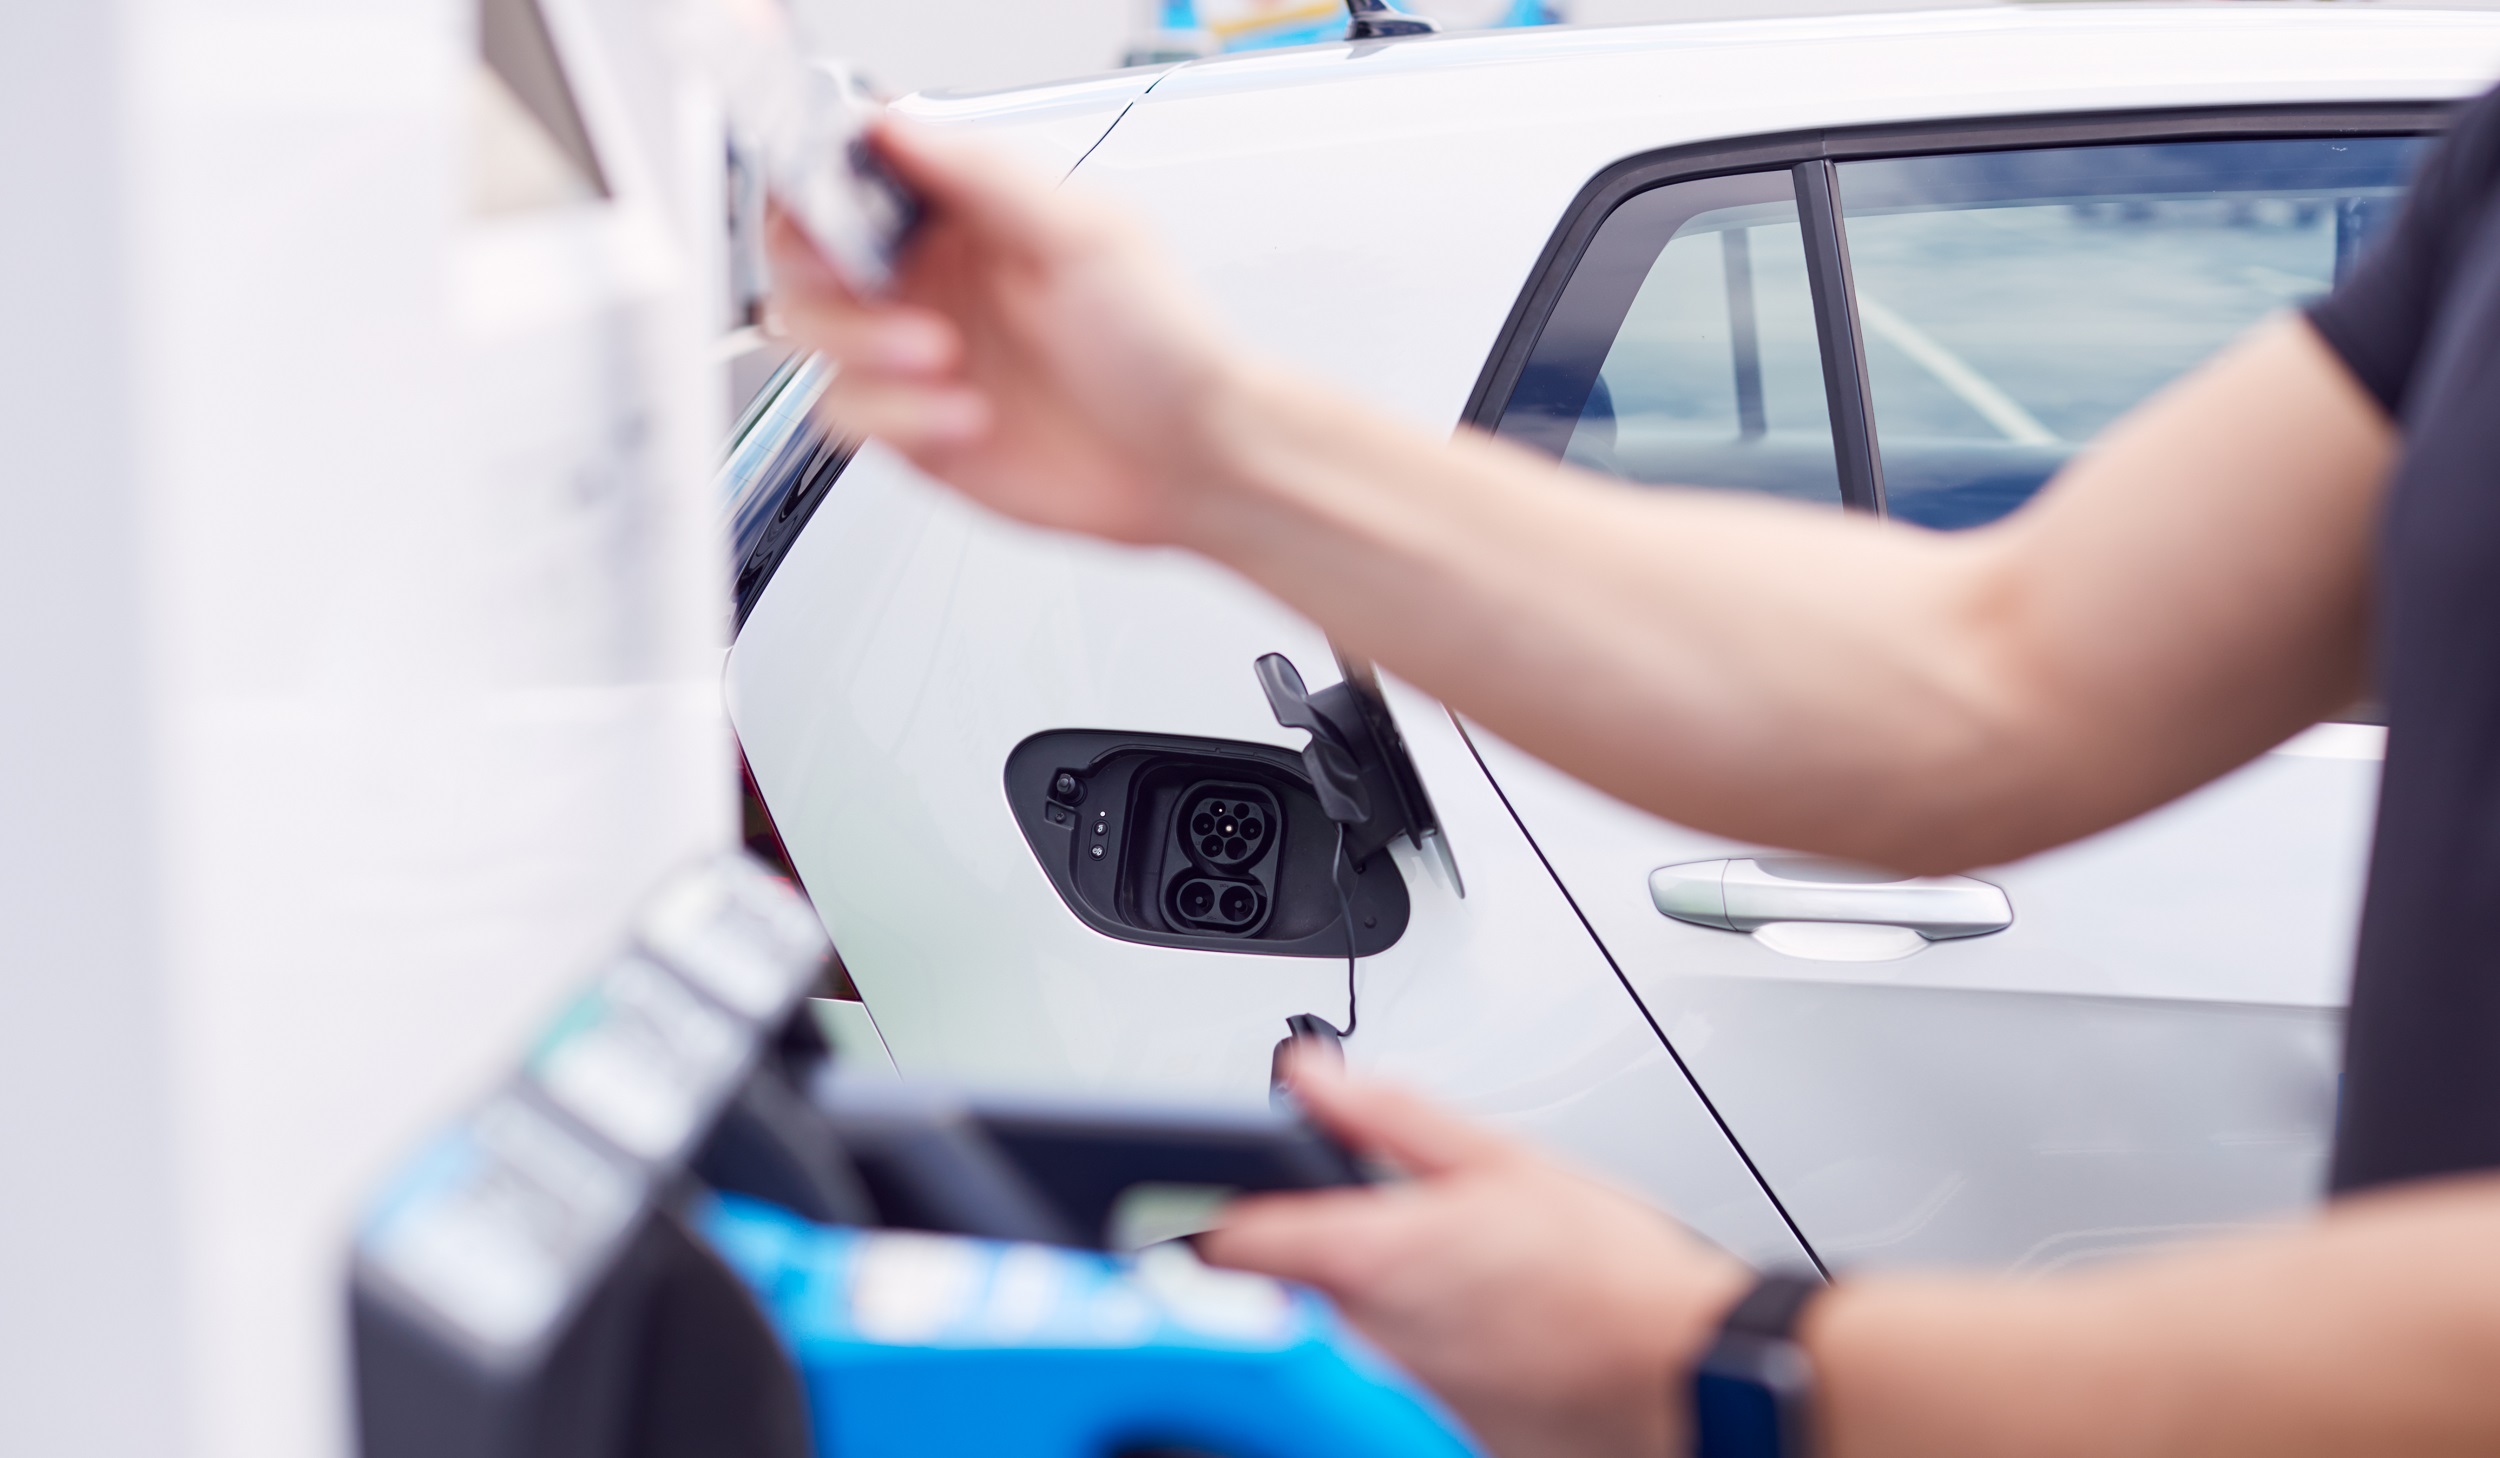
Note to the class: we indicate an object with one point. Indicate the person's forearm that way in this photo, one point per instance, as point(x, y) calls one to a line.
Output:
point(1761, 668)
point(1782, 673)
point(2374, 1331)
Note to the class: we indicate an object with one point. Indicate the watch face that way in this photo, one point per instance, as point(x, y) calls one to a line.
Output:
point(1749, 1400)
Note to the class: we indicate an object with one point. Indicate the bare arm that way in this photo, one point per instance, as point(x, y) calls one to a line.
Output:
point(2374, 1330)
point(2185, 596)
point(2188, 593)
point(1561, 1317)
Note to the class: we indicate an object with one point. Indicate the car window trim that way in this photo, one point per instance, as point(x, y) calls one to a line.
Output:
point(1839, 336)
point(1810, 156)
point(810, 483)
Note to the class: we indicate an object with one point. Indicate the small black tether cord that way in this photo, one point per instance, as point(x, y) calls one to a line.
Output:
point(1338, 877)
point(1311, 1025)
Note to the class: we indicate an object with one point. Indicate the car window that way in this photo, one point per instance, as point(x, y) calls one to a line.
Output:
point(1683, 347)
point(2014, 303)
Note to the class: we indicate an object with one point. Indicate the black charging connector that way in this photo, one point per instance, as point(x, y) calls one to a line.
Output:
point(1310, 1027)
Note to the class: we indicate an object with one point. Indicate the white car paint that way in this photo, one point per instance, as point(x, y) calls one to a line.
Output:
point(911, 675)
point(2147, 1052)
point(1052, 127)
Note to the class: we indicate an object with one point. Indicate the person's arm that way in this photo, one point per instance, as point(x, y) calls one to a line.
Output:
point(2374, 1330)
point(1560, 1317)
point(2189, 592)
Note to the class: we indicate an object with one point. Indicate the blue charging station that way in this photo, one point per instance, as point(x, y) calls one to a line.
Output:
point(675, 1230)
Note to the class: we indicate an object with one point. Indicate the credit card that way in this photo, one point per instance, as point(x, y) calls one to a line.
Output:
point(804, 124)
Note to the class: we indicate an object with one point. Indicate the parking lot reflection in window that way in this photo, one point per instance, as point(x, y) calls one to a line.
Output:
point(2015, 303)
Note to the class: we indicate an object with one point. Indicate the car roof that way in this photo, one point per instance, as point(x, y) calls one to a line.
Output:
point(1828, 55)
point(1369, 212)
point(2049, 41)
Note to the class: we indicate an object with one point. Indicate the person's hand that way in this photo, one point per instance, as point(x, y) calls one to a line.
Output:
point(1036, 352)
point(1556, 1315)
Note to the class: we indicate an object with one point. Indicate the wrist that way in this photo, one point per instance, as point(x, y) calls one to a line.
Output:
point(1697, 1321)
point(1753, 1391)
point(1688, 1325)
point(1229, 476)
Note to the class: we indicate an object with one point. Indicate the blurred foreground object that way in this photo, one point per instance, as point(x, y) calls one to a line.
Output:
point(636, 1244)
point(363, 643)
point(802, 129)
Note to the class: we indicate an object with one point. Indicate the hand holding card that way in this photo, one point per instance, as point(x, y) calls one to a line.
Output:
point(805, 123)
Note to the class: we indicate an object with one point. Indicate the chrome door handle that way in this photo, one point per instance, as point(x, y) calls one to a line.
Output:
point(1740, 895)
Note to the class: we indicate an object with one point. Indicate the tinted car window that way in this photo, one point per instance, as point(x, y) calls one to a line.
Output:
point(2015, 303)
point(1683, 348)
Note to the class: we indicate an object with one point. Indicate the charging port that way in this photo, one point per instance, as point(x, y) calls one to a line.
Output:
point(1205, 843)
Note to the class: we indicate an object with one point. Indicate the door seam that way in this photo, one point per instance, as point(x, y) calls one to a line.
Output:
point(1691, 1081)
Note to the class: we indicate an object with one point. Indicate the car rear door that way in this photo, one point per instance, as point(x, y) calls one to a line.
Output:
point(2127, 1040)
point(910, 678)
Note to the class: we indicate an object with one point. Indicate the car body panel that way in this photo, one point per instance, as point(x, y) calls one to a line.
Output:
point(2230, 912)
point(1052, 126)
point(1370, 214)
point(877, 694)
point(2288, 832)
point(2110, 1071)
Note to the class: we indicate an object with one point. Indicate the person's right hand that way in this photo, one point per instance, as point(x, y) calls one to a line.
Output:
point(1559, 1317)
point(1036, 352)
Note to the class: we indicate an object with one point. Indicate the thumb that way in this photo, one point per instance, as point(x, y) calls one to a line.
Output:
point(1419, 1136)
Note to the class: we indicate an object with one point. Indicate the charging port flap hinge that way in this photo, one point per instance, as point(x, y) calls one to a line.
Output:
point(1356, 760)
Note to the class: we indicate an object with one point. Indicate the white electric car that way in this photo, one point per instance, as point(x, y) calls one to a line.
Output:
point(1040, 789)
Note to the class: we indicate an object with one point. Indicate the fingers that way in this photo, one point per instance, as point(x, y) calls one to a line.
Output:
point(911, 416)
point(1333, 1239)
point(1421, 1137)
point(894, 376)
point(894, 360)
point(796, 262)
point(896, 340)
point(1325, 1239)
point(814, 307)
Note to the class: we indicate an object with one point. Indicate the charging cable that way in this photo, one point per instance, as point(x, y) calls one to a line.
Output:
point(1312, 1026)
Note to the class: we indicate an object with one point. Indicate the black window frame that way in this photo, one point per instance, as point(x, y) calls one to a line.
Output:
point(1811, 157)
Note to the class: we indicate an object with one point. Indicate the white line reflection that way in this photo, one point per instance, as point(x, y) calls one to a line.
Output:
point(1953, 372)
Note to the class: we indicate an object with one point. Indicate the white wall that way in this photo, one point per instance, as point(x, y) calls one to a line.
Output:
point(358, 672)
point(91, 1300)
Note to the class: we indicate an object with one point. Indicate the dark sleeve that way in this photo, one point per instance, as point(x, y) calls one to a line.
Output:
point(2380, 317)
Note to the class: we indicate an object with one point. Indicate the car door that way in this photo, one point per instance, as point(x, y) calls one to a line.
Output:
point(2130, 1039)
point(916, 688)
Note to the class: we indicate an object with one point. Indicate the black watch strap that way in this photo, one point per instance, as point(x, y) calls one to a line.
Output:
point(1773, 1307)
point(1753, 1389)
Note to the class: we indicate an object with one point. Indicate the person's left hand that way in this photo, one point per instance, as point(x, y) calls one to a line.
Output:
point(1557, 1316)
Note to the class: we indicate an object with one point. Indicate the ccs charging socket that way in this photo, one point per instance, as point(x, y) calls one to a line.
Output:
point(1207, 843)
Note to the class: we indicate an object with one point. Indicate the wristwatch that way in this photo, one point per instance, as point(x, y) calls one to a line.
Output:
point(1753, 1389)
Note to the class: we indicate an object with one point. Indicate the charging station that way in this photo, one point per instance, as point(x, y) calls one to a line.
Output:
point(675, 1230)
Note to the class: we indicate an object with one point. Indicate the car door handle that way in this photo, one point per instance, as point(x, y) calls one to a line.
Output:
point(1741, 895)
